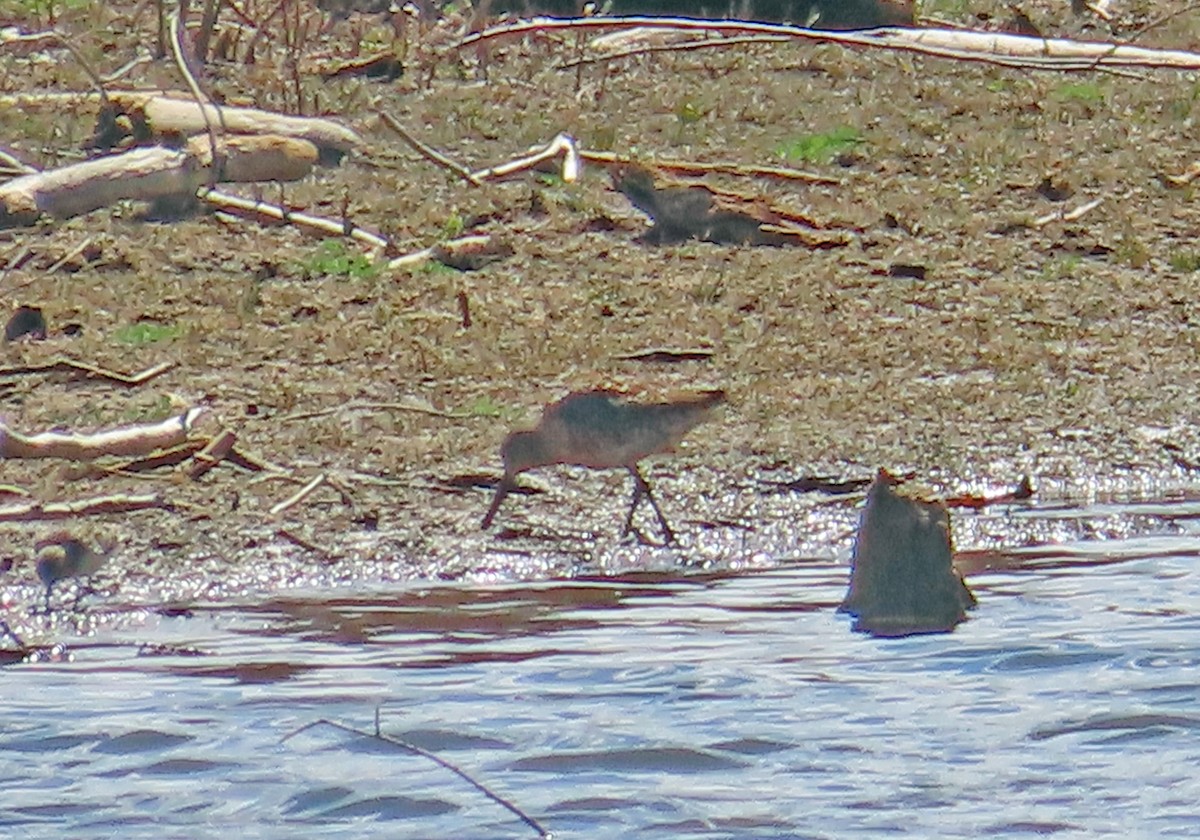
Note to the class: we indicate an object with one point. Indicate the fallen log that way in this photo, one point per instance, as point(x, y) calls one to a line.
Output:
point(151, 174)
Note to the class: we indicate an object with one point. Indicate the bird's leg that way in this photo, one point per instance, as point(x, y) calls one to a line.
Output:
point(640, 489)
point(638, 492)
point(502, 489)
point(49, 587)
point(84, 588)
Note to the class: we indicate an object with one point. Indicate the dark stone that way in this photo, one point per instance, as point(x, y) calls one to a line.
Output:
point(26, 321)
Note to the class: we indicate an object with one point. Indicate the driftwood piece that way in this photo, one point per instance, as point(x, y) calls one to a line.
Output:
point(126, 440)
point(96, 506)
point(80, 188)
point(211, 455)
point(902, 579)
point(171, 114)
point(235, 206)
point(258, 157)
point(965, 45)
point(148, 175)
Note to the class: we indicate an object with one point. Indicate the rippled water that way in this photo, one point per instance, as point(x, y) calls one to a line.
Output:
point(663, 705)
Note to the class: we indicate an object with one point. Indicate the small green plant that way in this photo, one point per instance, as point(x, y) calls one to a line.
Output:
point(1085, 92)
point(1188, 261)
point(1062, 268)
point(147, 332)
point(1131, 251)
point(688, 113)
point(820, 148)
point(435, 267)
point(484, 407)
point(332, 259)
point(453, 226)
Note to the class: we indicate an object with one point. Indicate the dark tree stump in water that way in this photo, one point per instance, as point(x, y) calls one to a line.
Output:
point(903, 579)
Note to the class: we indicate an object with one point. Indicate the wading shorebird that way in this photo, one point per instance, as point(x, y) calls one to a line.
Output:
point(60, 556)
point(599, 429)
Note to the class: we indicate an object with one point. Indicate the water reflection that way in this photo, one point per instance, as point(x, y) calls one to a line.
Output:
point(726, 704)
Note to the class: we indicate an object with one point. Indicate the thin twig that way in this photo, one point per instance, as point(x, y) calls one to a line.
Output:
point(211, 455)
point(299, 496)
point(67, 42)
point(70, 255)
point(168, 458)
point(296, 539)
point(90, 371)
point(12, 162)
point(276, 212)
point(96, 506)
point(178, 50)
point(1159, 21)
point(428, 152)
point(438, 760)
point(1068, 215)
point(372, 406)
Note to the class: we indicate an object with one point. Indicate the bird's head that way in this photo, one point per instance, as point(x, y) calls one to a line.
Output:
point(523, 451)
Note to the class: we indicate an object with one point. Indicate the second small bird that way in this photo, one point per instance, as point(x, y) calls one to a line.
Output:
point(598, 429)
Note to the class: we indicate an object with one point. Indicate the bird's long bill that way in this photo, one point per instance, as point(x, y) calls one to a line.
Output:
point(502, 490)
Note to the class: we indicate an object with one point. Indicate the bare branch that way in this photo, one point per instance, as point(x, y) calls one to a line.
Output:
point(96, 506)
point(211, 455)
point(245, 206)
point(299, 496)
point(87, 371)
point(965, 45)
point(428, 152)
point(126, 440)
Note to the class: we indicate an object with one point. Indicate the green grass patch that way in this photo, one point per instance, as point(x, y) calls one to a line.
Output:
point(1085, 92)
point(484, 406)
point(1186, 261)
point(333, 259)
point(147, 332)
point(820, 148)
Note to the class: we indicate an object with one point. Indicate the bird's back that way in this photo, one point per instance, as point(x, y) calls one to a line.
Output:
point(600, 429)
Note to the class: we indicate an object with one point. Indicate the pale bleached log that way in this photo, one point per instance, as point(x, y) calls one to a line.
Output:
point(151, 174)
point(966, 45)
point(248, 158)
point(125, 441)
point(146, 174)
point(179, 114)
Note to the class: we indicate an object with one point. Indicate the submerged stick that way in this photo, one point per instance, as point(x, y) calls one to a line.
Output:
point(436, 759)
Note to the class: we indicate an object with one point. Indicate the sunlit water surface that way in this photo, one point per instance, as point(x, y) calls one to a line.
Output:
point(670, 705)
